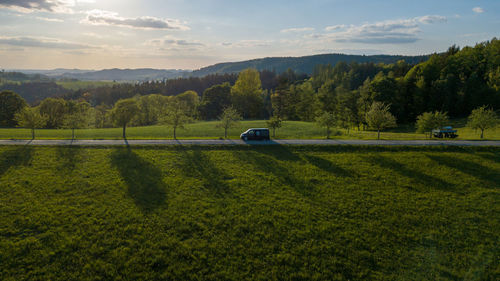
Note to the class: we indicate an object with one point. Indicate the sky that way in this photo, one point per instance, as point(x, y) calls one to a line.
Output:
point(190, 34)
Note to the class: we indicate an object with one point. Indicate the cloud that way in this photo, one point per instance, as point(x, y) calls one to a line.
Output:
point(431, 19)
point(41, 42)
point(478, 10)
point(300, 29)
point(99, 17)
point(335, 27)
point(172, 44)
point(49, 19)
point(385, 32)
point(28, 6)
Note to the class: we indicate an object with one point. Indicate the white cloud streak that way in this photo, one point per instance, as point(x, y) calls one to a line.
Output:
point(99, 17)
point(42, 42)
point(297, 30)
point(385, 32)
point(28, 6)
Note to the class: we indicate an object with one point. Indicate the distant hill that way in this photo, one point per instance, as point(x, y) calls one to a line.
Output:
point(279, 64)
point(302, 64)
point(141, 74)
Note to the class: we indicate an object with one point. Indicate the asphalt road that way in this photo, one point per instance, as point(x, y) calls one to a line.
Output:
point(240, 142)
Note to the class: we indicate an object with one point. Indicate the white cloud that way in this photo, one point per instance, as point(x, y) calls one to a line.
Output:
point(99, 17)
point(478, 10)
point(384, 32)
point(28, 6)
point(297, 29)
point(42, 42)
point(49, 19)
point(431, 19)
point(335, 27)
point(173, 44)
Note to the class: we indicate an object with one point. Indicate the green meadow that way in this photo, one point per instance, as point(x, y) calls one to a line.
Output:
point(249, 213)
point(209, 130)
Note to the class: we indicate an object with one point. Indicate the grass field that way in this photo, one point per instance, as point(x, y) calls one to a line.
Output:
point(208, 130)
point(249, 213)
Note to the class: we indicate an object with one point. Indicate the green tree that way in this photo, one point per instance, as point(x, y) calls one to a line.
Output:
point(428, 121)
point(328, 121)
point(214, 100)
point(55, 110)
point(190, 101)
point(229, 118)
point(379, 117)
point(78, 117)
point(124, 112)
point(482, 118)
point(246, 93)
point(175, 116)
point(10, 104)
point(30, 117)
point(275, 123)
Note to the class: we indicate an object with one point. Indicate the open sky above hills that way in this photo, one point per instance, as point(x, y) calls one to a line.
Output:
point(96, 34)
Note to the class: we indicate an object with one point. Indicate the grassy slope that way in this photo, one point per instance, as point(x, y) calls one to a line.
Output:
point(79, 85)
point(200, 130)
point(220, 213)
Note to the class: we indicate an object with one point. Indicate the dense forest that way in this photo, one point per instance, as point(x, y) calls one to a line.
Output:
point(454, 82)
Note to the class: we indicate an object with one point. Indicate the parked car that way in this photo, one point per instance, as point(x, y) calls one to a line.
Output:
point(445, 132)
point(255, 134)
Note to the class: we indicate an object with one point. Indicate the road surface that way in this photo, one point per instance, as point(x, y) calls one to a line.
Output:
point(240, 142)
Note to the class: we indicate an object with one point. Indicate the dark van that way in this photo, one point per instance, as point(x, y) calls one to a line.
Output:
point(255, 134)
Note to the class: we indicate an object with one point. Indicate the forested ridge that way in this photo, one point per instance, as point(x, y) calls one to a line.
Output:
point(454, 82)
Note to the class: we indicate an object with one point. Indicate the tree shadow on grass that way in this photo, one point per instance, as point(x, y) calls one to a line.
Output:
point(68, 157)
point(478, 171)
point(196, 164)
point(144, 180)
point(19, 156)
point(266, 161)
point(495, 157)
point(424, 179)
point(328, 166)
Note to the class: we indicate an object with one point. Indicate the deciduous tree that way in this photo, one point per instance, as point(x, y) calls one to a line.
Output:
point(175, 116)
point(483, 118)
point(10, 104)
point(229, 118)
point(30, 117)
point(379, 117)
point(328, 121)
point(428, 121)
point(123, 112)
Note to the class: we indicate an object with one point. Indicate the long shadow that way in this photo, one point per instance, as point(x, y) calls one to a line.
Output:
point(266, 160)
point(495, 157)
point(19, 156)
point(196, 164)
point(144, 180)
point(480, 172)
point(68, 157)
point(424, 179)
point(328, 166)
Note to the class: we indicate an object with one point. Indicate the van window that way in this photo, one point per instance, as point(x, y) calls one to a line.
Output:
point(257, 133)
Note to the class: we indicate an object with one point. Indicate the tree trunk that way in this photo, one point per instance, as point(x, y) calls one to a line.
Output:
point(378, 134)
point(32, 133)
point(72, 134)
point(175, 137)
point(482, 133)
point(124, 127)
point(274, 132)
point(225, 133)
point(327, 132)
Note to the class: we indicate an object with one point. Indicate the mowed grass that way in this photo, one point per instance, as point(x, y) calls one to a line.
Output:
point(209, 130)
point(249, 213)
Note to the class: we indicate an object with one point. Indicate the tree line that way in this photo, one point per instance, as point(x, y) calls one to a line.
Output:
point(345, 95)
